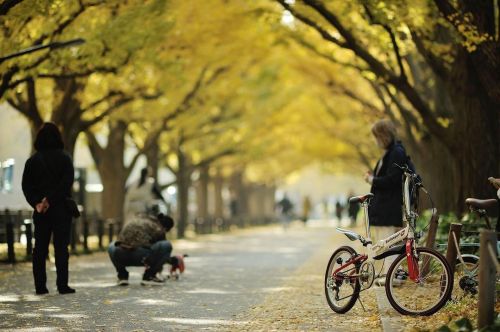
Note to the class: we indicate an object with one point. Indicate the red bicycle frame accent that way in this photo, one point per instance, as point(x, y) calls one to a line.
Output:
point(412, 261)
point(356, 259)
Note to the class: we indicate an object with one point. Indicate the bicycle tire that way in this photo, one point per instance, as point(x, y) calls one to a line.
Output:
point(350, 301)
point(396, 292)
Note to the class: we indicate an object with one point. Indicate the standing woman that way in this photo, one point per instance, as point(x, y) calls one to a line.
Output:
point(385, 210)
point(47, 180)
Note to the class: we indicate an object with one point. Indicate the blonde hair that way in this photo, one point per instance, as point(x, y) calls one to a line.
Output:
point(385, 131)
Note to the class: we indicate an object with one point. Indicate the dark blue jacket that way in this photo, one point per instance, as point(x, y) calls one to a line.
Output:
point(386, 207)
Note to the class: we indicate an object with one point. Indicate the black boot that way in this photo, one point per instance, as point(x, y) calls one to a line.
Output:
point(66, 290)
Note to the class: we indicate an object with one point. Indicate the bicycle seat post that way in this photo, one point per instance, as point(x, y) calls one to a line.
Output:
point(367, 219)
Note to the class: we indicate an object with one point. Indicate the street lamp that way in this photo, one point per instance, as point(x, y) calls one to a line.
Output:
point(50, 46)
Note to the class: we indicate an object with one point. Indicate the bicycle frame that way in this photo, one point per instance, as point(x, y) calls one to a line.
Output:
point(382, 247)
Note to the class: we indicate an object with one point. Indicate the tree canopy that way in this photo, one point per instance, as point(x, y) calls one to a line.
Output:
point(267, 85)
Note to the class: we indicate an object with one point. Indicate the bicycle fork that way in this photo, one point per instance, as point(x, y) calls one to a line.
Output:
point(412, 259)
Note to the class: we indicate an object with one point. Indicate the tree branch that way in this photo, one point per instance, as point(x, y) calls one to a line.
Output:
point(84, 125)
point(95, 148)
point(325, 34)
point(436, 63)
point(394, 42)
point(95, 103)
point(6, 80)
point(212, 158)
point(381, 71)
point(8, 5)
point(33, 112)
point(88, 72)
point(328, 57)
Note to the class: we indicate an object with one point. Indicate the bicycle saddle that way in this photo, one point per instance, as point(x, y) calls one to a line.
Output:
point(360, 199)
point(481, 203)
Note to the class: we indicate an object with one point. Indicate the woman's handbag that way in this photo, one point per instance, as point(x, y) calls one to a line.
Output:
point(72, 207)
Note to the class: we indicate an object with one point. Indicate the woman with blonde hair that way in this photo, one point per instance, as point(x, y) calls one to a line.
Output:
point(385, 210)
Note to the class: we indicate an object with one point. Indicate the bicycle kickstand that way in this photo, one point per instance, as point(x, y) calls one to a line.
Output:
point(361, 302)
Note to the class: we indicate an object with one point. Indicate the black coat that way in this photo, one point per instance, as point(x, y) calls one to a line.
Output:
point(48, 173)
point(386, 206)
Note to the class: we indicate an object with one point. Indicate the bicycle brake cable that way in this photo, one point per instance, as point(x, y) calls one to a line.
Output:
point(432, 204)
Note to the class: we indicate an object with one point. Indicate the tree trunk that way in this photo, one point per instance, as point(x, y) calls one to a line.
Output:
point(434, 161)
point(152, 158)
point(218, 201)
point(113, 194)
point(476, 135)
point(240, 192)
point(203, 192)
point(110, 164)
point(183, 184)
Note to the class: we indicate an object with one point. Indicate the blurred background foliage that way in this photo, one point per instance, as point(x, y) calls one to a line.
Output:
point(263, 88)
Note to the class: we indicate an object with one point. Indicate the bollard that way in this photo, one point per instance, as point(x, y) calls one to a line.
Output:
point(433, 225)
point(209, 225)
point(9, 230)
point(100, 232)
point(111, 230)
point(85, 233)
point(451, 251)
point(73, 236)
point(487, 278)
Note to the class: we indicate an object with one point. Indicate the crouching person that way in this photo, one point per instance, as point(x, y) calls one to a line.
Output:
point(142, 242)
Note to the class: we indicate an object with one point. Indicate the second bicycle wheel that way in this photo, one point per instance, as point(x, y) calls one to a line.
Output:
point(426, 295)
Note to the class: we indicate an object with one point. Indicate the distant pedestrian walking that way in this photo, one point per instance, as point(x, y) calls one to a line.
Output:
point(285, 207)
point(306, 208)
point(47, 180)
point(352, 210)
point(339, 209)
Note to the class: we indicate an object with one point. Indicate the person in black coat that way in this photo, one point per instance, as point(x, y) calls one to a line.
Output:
point(47, 180)
point(385, 210)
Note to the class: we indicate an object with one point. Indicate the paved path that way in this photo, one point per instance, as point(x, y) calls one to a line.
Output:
point(261, 279)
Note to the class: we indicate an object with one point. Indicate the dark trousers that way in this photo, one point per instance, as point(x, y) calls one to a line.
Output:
point(155, 256)
point(55, 222)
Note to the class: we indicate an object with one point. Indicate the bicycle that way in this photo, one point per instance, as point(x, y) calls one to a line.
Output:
point(467, 266)
point(419, 281)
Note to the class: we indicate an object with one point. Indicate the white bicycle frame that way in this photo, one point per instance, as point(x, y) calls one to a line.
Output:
point(407, 234)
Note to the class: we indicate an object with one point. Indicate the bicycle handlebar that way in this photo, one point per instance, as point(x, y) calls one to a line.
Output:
point(411, 173)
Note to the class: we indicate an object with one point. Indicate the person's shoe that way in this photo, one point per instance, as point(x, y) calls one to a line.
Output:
point(66, 290)
point(122, 282)
point(152, 281)
point(42, 291)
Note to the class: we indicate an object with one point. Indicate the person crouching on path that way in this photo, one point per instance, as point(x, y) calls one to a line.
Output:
point(142, 242)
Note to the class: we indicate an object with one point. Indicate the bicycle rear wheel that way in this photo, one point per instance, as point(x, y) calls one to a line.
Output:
point(426, 295)
point(340, 290)
point(466, 277)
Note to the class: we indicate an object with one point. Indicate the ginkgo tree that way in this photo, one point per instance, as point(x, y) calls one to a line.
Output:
point(459, 43)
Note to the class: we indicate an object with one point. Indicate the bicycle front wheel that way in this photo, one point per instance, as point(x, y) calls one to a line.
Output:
point(429, 293)
point(341, 289)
